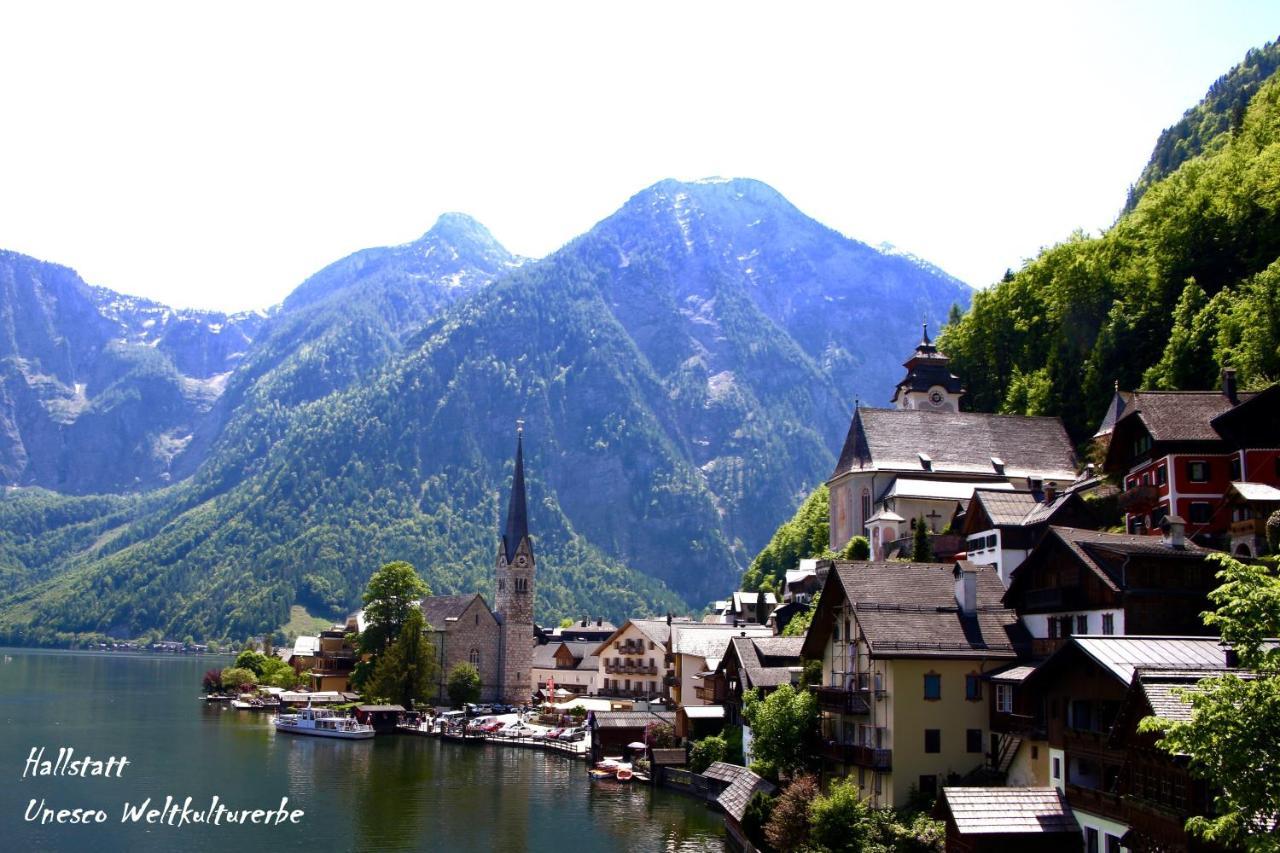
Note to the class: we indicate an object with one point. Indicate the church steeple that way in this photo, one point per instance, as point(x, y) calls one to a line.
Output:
point(929, 384)
point(517, 527)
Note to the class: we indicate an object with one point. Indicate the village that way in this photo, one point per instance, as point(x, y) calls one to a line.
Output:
point(998, 619)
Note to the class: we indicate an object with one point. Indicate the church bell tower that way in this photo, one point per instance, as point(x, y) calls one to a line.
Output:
point(929, 384)
point(513, 589)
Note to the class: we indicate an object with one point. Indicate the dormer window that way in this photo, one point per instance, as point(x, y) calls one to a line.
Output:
point(925, 462)
point(998, 464)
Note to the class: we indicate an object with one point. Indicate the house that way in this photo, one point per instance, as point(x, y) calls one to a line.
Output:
point(1178, 452)
point(1250, 505)
point(751, 663)
point(1008, 820)
point(1001, 526)
point(633, 661)
point(568, 664)
point(743, 607)
point(613, 731)
point(742, 786)
point(924, 458)
point(1114, 779)
point(904, 647)
point(1090, 582)
point(329, 657)
point(696, 649)
point(597, 629)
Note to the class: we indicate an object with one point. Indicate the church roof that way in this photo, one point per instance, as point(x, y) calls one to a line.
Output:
point(517, 527)
point(438, 609)
point(970, 444)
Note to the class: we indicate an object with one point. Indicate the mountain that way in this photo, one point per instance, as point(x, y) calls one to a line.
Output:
point(99, 391)
point(1184, 284)
point(685, 370)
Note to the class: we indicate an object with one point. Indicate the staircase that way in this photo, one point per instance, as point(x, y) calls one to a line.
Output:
point(1008, 749)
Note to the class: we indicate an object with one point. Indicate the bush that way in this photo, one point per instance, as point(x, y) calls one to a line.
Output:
point(788, 826)
point(841, 821)
point(660, 736)
point(212, 681)
point(238, 677)
point(1273, 532)
point(858, 548)
point(706, 752)
point(463, 685)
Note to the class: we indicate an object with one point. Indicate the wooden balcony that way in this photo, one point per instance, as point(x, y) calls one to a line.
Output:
point(1102, 803)
point(1140, 500)
point(860, 756)
point(1020, 725)
point(1249, 527)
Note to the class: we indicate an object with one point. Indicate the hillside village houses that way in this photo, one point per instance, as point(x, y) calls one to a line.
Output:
point(1018, 663)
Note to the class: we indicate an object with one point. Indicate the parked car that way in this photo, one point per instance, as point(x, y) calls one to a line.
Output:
point(573, 737)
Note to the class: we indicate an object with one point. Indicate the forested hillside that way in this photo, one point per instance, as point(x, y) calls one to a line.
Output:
point(685, 370)
point(1185, 283)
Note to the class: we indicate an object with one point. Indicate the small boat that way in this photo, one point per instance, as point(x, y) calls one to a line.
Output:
point(241, 704)
point(597, 773)
point(322, 722)
point(624, 774)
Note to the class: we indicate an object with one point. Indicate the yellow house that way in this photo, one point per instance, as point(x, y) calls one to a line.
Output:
point(904, 648)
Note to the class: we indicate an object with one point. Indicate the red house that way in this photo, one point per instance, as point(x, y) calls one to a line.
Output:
point(1179, 452)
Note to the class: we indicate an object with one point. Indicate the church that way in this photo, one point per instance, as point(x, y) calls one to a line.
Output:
point(498, 642)
point(923, 458)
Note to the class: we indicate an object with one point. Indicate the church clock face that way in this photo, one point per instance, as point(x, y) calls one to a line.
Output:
point(521, 562)
point(935, 397)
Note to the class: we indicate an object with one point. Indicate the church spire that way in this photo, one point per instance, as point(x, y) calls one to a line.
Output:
point(517, 527)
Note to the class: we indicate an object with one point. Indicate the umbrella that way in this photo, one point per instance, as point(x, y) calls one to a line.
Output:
point(636, 745)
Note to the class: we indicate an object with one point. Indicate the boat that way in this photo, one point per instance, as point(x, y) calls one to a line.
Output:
point(241, 704)
point(322, 722)
point(597, 773)
point(624, 774)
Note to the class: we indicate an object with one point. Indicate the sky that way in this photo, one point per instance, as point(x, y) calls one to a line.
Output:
point(213, 155)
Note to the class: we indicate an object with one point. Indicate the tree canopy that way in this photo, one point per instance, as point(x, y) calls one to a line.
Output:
point(783, 728)
point(463, 684)
point(405, 672)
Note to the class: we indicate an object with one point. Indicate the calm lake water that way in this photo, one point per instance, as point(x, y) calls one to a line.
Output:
point(394, 793)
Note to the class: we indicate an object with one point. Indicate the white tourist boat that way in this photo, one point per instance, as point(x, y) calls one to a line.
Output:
point(321, 722)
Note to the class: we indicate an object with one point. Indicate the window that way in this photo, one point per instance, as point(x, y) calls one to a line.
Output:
point(1235, 467)
point(1113, 844)
point(929, 786)
point(1158, 515)
point(1091, 840)
point(474, 657)
point(522, 585)
point(866, 505)
point(862, 777)
point(932, 686)
point(1146, 479)
point(1162, 475)
point(1057, 768)
point(502, 585)
point(972, 688)
point(1201, 512)
point(1035, 752)
point(1108, 623)
point(933, 740)
point(1133, 483)
point(477, 618)
point(878, 780)
point(1053, 628)
point(1081, 714)
point(1004, 698)
point(1198, 472)
point(1082, 623)
point(973, 740)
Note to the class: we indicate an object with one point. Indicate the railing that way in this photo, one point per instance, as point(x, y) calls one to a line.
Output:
point(863, 756)
point(1141, 499)
point(1249, 527)
point(1022, 725)
point(629, 649)
point(1099, 802)
point(629, 668)
point(844, 701)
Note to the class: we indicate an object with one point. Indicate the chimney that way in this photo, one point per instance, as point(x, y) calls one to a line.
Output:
point(668, 617)
point(599, 621)
point(1050, 492)
point(966, 588)
point(1229, 385)
point(1175, 532)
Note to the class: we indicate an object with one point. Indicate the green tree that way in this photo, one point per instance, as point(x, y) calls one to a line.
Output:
point(921, 547)
point(783, 729)
point(660, 736)
point(238, 677)
point(798, 626)
point(857, 548)
point(566, 622)
point(252, 660)
point(788, 827)
point(389, 598)
point(841, 821)
point(1233, 737)
point(463, 684)
point(406, 669)
point(706, 752)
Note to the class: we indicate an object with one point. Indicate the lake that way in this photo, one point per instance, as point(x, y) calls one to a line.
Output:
point(393, 793)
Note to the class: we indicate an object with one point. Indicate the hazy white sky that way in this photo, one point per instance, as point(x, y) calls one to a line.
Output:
point(215, 154)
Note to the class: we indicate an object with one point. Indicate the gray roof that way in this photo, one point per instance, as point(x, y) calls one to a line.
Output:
point(544, 656)
point(437, 609)
point(723, 771)
point(1012, 674)
point(1161, 689)
point(1005, 508)
point(766, 661)
point(517, 526)
point(708, 640)
point(1123, 655)
point(632, 719)
point(958, 443)
point(1256, 491)
point(1104, 553)
point(1000, 811)
point(1179, 415)
point(735, 799)
point(910, 610)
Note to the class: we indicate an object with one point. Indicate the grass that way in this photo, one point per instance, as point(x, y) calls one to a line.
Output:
point(301, 623)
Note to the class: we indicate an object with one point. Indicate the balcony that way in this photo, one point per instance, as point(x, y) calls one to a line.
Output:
point(1099, 802)
point(843, 701)
point(1139, 500)
point(861, 756)
point(1020, 725)
point(1249, 527)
